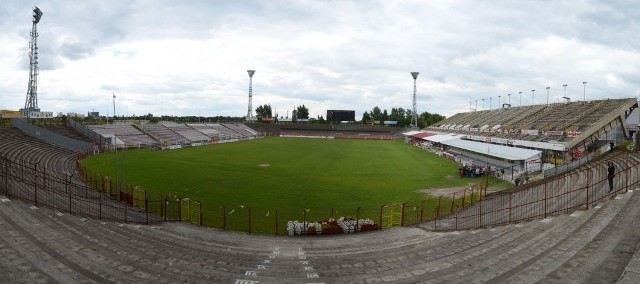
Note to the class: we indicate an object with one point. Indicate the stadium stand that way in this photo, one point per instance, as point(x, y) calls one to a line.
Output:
point(187, 132)
point(225, 132)
point(567, 134)
point(559, 121)
point(41, 244)
point(330, 130)
point(164, 135)
point(66, 131)
point(594, 245)
point(243, 130)
point(206, 130)
point(128, 134)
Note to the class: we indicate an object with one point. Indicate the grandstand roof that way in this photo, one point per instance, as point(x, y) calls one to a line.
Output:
point(499, 151)
point(443, 137)
point(411, 133)
point(504, 152)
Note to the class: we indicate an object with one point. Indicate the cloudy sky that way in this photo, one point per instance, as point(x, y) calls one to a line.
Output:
point(191, 57)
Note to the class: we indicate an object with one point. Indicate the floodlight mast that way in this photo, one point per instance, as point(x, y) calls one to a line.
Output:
point(414, 112)
point(250, 107)
point(31, 103)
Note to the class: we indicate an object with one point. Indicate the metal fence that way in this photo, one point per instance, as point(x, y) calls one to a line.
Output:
point(101, 197)
point(38, 185)
point(577, 190)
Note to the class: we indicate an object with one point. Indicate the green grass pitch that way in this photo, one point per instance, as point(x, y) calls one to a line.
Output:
point(323, 177)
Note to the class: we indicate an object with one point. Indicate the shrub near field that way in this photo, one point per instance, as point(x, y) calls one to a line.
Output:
point(288, 174)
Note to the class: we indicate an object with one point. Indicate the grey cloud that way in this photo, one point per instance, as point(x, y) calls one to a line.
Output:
point(76, 50)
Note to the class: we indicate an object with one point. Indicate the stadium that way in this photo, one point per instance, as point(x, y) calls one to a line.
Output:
point(541, 205)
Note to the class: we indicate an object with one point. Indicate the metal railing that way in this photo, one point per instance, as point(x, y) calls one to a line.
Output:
point(580, 189)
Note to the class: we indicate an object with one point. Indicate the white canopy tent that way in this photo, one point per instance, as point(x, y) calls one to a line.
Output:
point(529, 159)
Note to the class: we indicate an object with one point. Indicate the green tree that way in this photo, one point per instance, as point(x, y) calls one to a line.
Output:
point(376, 114)
point(425, 119)
point(264, 111)
point(302, 112)
point(366, 118)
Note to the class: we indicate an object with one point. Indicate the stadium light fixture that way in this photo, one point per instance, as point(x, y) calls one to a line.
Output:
point(250, 106)
point(584, 94)
point(548, 94)
point(114, 107)
point(414, 113)
point(533, 92)
point(520, 98)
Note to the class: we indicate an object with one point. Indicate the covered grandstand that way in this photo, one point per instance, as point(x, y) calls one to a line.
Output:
point(563, 132)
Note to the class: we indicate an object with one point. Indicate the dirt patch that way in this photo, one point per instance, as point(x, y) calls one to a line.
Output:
point(448, 191)
point(264, 165)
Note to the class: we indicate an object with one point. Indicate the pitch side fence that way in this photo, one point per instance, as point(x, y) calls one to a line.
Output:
point(580, 189)
point(101, 197)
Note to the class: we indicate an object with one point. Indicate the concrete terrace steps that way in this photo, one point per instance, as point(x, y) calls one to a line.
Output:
point(70, 247)
point(605, 256)
point(470, 253)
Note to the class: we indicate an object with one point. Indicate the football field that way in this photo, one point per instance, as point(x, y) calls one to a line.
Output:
point(320, 177)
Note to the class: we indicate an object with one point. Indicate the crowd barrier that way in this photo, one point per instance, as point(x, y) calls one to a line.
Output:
point(104, 198)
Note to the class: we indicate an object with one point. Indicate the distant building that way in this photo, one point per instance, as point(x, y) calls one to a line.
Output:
point(40, 114)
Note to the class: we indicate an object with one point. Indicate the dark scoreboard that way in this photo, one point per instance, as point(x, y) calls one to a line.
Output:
point(341, 115)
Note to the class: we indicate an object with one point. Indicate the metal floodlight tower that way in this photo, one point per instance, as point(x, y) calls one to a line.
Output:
point(250, 108)
point(533, 96)
point(520, 98)
point(548, 95)
point(414, 113)
point(31, 103)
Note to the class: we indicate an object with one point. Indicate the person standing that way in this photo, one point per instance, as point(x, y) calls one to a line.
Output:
point(611, 172)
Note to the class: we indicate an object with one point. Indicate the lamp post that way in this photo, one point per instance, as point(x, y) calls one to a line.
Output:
point(490, 102)
point(584, 94)
point(115, 143)
point(565, 90)
point(114, 108)
point(509, 95)
point(499, 101)
point(520, 98)
point(476, 105)
point(483, 104)
point(548, 95)
point(533, 92)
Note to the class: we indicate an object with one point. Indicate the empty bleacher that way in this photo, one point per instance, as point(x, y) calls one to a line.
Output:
point(205, 129)
point(128, 134)
point(226, 133)
point(599, 245)
point(165, 135)
point(241, 129)
point(187, 132)
point(554, 118)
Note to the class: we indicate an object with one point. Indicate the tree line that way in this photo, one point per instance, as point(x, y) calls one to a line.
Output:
point(375, 116)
